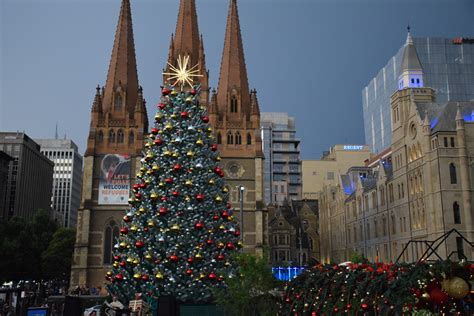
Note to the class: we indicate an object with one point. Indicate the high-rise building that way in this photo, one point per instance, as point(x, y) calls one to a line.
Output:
point(67, 178)
point(282, 165)
point(448, 68)
point(118, 124)
point(4, 168)
point(29, 179)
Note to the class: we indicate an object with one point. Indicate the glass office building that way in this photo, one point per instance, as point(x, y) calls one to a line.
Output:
point(448, 68)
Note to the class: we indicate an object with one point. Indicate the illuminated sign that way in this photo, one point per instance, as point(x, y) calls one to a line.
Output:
point(353, 147)
point(463, 40)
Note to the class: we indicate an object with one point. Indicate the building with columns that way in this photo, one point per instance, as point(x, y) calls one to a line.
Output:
point(418, 190)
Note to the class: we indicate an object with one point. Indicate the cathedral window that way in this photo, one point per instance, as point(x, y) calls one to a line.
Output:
point(120, 136)
point(219, 138)
point(233, 104)
point(230, 138)
point(110, 237)
point(249, 139)
point(111, 136)
point(118, 102)
point(456, 213)
point(452, 173)
point(100, 137)
point(131, 137)
point(238, 139)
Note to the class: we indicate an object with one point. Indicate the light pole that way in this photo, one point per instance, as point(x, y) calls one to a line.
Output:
point(241, 198)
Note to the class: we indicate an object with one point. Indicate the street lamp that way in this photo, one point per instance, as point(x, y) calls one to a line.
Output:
point(241, 189)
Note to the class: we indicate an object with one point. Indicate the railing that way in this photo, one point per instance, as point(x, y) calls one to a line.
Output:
point(287, 273)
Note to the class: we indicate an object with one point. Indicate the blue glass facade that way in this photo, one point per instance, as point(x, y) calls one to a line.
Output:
point(447, 67)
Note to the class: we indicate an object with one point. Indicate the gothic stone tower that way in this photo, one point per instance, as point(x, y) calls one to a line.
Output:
point(118, 124)
point(235, 115)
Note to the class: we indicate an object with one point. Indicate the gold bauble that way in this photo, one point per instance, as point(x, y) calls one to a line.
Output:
point(142, 169)
point(225, 190)
point(129, 260)
point(158, 117)
point(149, 155)
point(141, 210)
point(218, 158)
point(189, 183)
point(202, 276)
point(159, 276)
point(199, 142)
point(220, 245)
point(425, 296)
point(222, 227)
point(168, 126)
point(136, 276)
point(173, 116)
point(209, 129)
point(167, 153)
point(227, 263)
point(150, 171)
point(175, 155)
point(153, 196)
point(109, 273)
point(123, 244)
point(147, 181)
point(198, 256)
point(230, 218)
point(148, 256)
point(212, 182)
point(173, 92)
point(155, 167)
point(190, 154)
point(240, 244)
point(189, 99)
point(187, 198)
point(161, 184)
point(134, 228)
point(139, 174)
point(151, 224)
point(136, 262)
point(218, 199)
point(456, 287)
point(115, 264)
point(175, 227)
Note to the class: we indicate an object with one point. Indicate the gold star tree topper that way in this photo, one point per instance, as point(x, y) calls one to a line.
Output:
point(183, 75)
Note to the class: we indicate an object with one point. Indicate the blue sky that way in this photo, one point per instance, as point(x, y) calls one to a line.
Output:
point(310, 58)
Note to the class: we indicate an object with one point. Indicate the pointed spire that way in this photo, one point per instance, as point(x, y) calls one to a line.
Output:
point(411, 72)
point(233, 74)
point(56, 132)
point(97, 104)
point(458, 112)
point(186, 39)
point(426, 121)
point(123, 65)
point(139, 105)
point(213, 105)
point(254, 102)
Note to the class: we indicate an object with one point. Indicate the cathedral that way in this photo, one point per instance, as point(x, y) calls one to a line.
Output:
point(119, 125)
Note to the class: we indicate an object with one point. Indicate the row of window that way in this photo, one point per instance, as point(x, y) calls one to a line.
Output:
point(115, 137)
point(234, 138)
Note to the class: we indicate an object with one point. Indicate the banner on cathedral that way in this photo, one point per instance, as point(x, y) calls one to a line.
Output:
point(114, 183)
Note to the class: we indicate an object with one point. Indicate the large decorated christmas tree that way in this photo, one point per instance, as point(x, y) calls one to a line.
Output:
point(179, 234)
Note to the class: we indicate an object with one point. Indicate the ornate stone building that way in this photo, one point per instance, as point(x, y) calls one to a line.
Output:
point(118, 123)
point(418, 190)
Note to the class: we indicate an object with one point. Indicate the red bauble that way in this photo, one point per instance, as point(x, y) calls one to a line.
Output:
point(117, 258)
point(220, 278)
point(364, 306)
point(212, 276)
point(138, 196)
point(158, 141)
point(175, 193)
point(177, 167)
point(218, 170)
point(163, 211)
point(174, 258)
point(161, 106)
point(189, 272)
point(119, 277)
point(122, 263)
point(190, 260)
point(348, 307)
point(230, 246)
point(336, 309)
point(205, 119)
point(225, 214)
point(193, 92)
point(142, 185)
point(146, 229)
point(229, 206)
point(221, 174)
point(165, 91)
point(288, 300)
point(184, 114)
point(139, 244)
point(237, 233)
point(154, 131)
point(168, 180)
point(124, 230)
point(220, 257)
point(438, 296)
point(145, 277)
point(136, 187)
point(200, 197)
point(209, 242)
point(199, 225)
point(163, 199)
point(215, 217)
point(213, 147)
point(126, 219)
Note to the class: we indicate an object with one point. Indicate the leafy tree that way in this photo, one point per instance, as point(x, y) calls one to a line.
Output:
point(56, 259)
point(253, 292)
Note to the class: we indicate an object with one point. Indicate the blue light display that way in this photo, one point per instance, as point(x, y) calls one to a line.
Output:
point(287, 273)
point(434, 122)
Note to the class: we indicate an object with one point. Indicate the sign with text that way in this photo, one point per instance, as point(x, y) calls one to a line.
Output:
point(353, 147)
point(114, 183)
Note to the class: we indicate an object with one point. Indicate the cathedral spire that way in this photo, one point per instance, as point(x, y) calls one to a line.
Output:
point(121, 88)
point(233, 75)
point(411, 72)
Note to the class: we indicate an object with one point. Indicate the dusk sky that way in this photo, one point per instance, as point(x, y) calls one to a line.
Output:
point(310, 58)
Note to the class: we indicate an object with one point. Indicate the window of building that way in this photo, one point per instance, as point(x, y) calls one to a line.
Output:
point(456, 213)
point(368, 231)
point(238, 138)
point(282, 239)
point(111, 136)
point(392, 219)
point(403, 191)
point(460, 247)
point(110, 237)
point(100, 137)
point(131, 137)
point(384, 226)
point(452, 173)
point(376, 233)
point(281, 255)
point(374, 199)
point(233, 104)
point(330, 175)
point(230, 138)
point(120, 136)
point(249, 139)
point(219, 138)
point(452, 141)
point(445, 142)
point(118, 102)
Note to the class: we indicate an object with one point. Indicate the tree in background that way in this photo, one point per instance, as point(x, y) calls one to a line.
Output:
point(56, 259)
point(179, 235)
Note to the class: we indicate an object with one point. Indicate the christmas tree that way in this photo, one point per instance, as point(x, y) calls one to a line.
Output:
point(179, 234)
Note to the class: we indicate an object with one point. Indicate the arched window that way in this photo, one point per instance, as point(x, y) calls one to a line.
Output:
point(249, 139)
point(120, 136)
point(456, 213)
point(238, 138)
point(233, 104)
point(219, 138)
point(118, 102)
point(452, 173)
point(100, 137)
point(131, 137)
point(304, 258)
point(110, 238)
point(230, 138)
point(111, 136)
